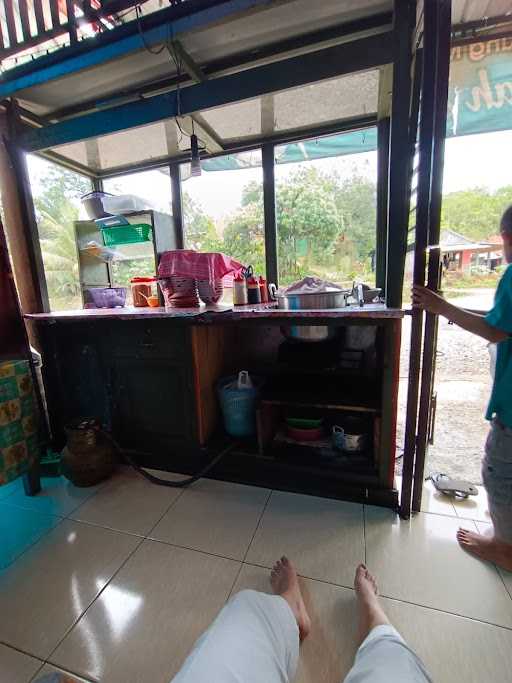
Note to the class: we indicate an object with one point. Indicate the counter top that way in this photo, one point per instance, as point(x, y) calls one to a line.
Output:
point(219, 314)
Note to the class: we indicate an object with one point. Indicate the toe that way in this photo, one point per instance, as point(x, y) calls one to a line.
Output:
point(285, 560)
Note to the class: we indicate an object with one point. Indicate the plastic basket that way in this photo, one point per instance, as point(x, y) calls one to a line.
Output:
point(238, 406)
point(126, 234)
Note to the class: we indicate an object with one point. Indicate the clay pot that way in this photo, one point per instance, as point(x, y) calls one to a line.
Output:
point(89, 456)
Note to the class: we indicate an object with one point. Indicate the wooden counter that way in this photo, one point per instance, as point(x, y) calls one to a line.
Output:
point(150, 376)
point(218, 314)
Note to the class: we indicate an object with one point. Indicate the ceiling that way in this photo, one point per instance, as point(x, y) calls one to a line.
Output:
point(235, 43)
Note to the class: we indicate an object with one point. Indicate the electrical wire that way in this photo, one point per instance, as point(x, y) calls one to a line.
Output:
point(158, 51)
point(126, 454)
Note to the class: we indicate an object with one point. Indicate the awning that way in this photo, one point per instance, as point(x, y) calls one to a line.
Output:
point(354, 142)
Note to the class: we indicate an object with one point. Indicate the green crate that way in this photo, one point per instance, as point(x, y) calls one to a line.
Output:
point(126, 234)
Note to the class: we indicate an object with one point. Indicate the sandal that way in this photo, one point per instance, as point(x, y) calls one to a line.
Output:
point(452, 487)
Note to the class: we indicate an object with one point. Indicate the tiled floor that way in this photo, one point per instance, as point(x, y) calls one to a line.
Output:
point(114, 584)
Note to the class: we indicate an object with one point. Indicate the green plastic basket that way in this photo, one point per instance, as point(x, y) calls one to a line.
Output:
point(126, 234)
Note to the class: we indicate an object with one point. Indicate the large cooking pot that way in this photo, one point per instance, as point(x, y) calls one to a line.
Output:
point(332, 298)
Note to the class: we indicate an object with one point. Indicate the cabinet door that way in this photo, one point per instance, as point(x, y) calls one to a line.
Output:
point(153, 404)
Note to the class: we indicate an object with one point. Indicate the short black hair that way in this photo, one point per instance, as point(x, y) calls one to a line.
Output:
point(506, 221)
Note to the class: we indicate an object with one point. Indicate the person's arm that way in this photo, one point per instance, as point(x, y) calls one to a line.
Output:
point(472, 322)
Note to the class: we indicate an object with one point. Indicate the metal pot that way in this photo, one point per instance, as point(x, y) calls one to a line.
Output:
point(303, 302)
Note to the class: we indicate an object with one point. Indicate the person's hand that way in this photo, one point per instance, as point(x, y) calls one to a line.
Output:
point(425, 298)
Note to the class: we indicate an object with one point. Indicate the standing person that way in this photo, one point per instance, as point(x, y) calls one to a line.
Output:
point(495, 327)
point(256, 637)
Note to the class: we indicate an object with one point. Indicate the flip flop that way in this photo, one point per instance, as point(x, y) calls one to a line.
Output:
point(452, 487)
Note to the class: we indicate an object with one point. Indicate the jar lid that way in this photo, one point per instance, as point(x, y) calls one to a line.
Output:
point(142, 279)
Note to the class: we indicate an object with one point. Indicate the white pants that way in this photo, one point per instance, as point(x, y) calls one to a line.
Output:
point(255, 639)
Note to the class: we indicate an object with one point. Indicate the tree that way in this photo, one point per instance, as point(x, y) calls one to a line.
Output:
point(476, 212)
point(326, 226)
point(56, 211)
point(244, 235)
point(199, 227)
point(308, 219)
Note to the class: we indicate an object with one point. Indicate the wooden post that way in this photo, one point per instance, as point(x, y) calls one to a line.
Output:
point(20, 223)
point(177, 205)
point(382, 201)
point(269, 206)
point(399, 149)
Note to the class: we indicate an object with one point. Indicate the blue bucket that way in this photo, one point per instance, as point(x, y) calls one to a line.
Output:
point(238, 405)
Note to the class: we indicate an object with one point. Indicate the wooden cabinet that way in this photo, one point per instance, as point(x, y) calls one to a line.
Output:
point(152, 403)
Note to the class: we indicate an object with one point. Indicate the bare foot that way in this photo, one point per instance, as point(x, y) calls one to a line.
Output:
point(365, 585)
point(286, 584)
point(486, 547)
point(371, 613)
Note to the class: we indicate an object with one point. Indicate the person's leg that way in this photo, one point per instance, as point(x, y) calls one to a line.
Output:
point(497, 477)
point(255, 637)
point(383, 656)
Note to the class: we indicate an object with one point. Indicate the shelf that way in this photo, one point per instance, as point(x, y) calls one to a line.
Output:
point(306, 403)
point(338, 393)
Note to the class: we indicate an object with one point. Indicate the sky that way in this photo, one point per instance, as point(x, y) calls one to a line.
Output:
point(470, 161)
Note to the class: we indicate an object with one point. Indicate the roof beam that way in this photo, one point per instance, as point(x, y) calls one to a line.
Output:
point(359, 55)
point(184, 59)
point(213, 141)
point(95, 51)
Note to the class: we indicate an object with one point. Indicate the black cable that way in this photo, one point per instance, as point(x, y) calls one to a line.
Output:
point(146, 46)
point(182, 483)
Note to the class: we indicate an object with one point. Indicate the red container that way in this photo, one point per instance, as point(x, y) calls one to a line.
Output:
point(313, 434)
point(263, 290)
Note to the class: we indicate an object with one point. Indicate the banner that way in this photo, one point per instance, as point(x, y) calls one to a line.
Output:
point(480, 91)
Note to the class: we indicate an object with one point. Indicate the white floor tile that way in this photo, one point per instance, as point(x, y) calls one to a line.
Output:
point(146, 621)
point(214, 516)
point(432, 500)
point(474, 507)
point(420, 561)
point(128, 502)
point(17, 667)
point(454, 648)
point(49, 669)
point(47, 589)
point(324, 537)
point(436, 502)
point(485, 528)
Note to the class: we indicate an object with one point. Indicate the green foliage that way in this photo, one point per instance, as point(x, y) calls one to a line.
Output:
point(476, 212)
point(56, 211)
point(200, 231)
point(326, 226)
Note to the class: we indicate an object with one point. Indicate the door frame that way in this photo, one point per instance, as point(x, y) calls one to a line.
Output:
point(427, 253)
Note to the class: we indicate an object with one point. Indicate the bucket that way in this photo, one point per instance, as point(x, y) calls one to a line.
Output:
point(238, 397)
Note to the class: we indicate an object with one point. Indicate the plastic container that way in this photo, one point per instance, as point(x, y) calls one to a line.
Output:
point(93, 204)
point(126, 234)
point(107, 297)
point(141, 290)
point(263, 290)
point(253, 291)
point(239, 290)
point(238, 403)
point(125, 203)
